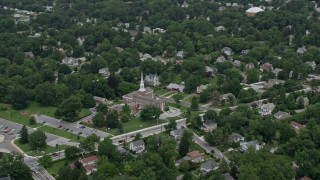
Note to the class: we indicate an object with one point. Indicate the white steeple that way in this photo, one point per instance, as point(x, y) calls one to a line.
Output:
point(142, 84)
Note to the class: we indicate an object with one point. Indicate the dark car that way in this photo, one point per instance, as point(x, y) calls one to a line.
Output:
point(67, 129)
point(80, 133)
point(82, 127)
point(59, 126)
point(54, 154)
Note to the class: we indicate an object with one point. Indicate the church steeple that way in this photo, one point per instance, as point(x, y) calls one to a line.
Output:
point(142, 89)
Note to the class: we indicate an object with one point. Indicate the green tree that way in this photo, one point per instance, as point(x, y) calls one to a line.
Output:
point(210, 115)
point(24, 136)
point(88, 145)
point(88, 101)
point(13, 165)
point(106, 148)
point(37, 140)
point(253, 75)
point(19, 97)
point(126, 109)
point(45, 161)
point(185, 142)
point(113, 119)
point(71, 152)
point(45, 94)
point(102, 108)
point(177, 98)
point(187, 176)
point(184, 166)
point(125, 118)
point(150, 113)
point(32, 120)
point(171, 125)
point(195, 103)
point(98, 120)
point(69, 109)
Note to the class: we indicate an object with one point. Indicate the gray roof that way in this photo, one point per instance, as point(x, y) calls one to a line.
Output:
point(209, 165)
point(138, 143)
point(281, 115)
point(177, 132)
point(227, 176)
point(235, 136)
point(209, 123)
point(5, 178)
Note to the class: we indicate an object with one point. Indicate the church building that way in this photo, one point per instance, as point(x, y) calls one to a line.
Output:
point(144, 96)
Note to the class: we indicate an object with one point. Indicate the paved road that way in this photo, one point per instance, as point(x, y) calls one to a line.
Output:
point(202, 143)
point(145, 132)
point(73, 127)
point(38, 172)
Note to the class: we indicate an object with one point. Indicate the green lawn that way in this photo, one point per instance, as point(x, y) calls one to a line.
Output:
point(161, 91)
point(22, 116)
point(171, 93)
point(133, 125)
point(179, 106)
point(27, 149)
point(61, 133)
point(54, 169)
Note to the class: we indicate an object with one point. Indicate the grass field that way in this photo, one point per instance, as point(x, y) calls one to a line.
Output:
point(27, 149)
point(61, 133)
point(133, 125)
point(161, 91)
point(22, 116)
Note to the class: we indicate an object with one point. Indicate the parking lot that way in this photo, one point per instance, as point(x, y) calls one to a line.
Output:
point(74, 128)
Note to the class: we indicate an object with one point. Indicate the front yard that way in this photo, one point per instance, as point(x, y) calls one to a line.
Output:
point(23, 116)
point(28, 150)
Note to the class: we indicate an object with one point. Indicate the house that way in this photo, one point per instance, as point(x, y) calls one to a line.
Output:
point(234, 5)
point(147, 30)
point(158, 30)
point(104, 72)
point(272, 82)
point(226, 97)
point(209, 126)
point(266, 109)
point(73, 62)
point(235, 137)
point(245, 52)
point(237, 63)
point(142, 97)
point(227, 51)
point(276, 71)
point(175, 87)
point(181, 54)
point(208, 166)
point(250, 65)
point(296, 126)
point(201, 88)
point(194, 156)
point(312, 64)
point(152, 80)
point(221, 59)
point(251, 144)
point(184, 4)
point(89, 164)
point(266, 67)
point(305, 101)
point(227, 176)
point(209, 71)
point(220, 28)
point(301, 50)
point(29, 54)
point(305, 178)
point(177, 133)
point(281, 115)
point(137, 146)
point(145, 56)
point(253, 11)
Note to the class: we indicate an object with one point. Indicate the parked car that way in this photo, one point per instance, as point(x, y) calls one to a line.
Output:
point(67, 129)
point(54, 154)
point(79, 133)
point(82, 127)
point(59, 126)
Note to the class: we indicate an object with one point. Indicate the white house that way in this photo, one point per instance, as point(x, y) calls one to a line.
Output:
point(208, 166)
point(152, 80)
point(175, 87)
point(104, 72)
point(235, 137)
point(209, 126)
point(201, 88)
point(266, 109)
point(251, 144)
point(137, 146)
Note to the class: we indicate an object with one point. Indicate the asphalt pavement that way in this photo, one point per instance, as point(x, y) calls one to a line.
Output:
point(74, 128)
point(145, 132)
